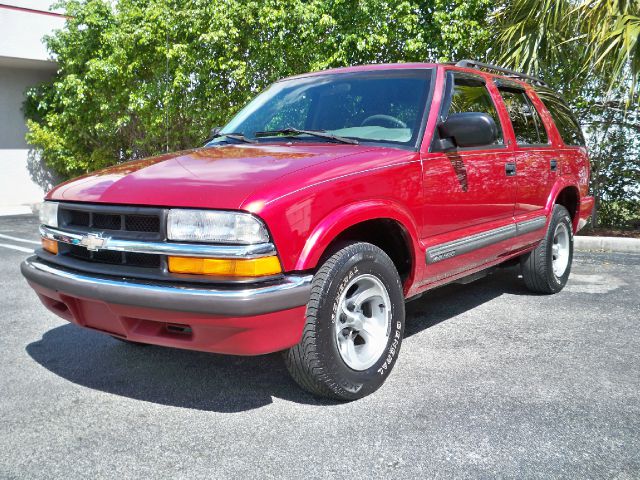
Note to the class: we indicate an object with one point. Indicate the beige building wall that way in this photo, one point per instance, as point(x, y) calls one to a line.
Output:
point(24, 62)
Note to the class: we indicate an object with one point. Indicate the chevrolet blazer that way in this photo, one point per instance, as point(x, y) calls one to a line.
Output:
point(306, 222)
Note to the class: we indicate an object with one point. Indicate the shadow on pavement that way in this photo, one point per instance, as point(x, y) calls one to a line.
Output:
point(446, 302)
point(167, 376)
point(220, 383)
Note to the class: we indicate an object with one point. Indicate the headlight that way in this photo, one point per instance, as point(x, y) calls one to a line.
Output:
point(49, 214)
point(215, 226)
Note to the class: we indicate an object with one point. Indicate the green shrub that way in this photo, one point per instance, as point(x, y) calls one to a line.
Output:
point(140, 77)
point(619, 214)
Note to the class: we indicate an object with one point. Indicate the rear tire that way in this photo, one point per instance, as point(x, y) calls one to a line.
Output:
point(546, 269)
point(354, 327)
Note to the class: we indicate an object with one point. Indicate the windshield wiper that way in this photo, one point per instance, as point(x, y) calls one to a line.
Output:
point(234, 136)
point(291, 132)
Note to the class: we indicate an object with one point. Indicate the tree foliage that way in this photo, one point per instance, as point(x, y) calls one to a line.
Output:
point(139, 77)
point(614, 136)
point(599, 37)
point(590, 51)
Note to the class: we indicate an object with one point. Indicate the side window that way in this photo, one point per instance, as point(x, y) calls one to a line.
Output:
point(470, 94)
point(566, 123)
point(525, 119)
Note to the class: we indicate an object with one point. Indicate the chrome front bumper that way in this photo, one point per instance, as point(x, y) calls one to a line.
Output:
point(290, 292)
point(158, 248)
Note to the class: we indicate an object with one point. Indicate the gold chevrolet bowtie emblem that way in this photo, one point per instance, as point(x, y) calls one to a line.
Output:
point(93, 241)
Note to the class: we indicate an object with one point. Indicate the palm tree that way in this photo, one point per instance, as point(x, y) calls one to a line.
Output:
point(600, 36)
point(590, 50)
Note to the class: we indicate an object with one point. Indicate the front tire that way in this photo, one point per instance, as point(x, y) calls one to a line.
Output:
point(546, 269)
point(354, 327)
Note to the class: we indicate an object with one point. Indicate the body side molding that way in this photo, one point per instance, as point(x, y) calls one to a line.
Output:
point(468, 244)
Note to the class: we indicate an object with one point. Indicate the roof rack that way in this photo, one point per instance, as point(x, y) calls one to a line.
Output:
point(511, 73)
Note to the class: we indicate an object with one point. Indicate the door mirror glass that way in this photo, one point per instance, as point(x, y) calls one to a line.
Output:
point(468, 129)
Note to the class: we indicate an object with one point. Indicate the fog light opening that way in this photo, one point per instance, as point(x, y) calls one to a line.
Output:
point(59, 306)
point(178, 329)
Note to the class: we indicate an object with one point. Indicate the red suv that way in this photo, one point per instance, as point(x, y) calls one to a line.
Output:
point(307, 221)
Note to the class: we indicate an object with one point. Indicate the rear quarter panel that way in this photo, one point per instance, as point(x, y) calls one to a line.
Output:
point(574, 167)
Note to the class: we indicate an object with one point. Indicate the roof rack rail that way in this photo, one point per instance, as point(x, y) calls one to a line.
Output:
point(512, 73)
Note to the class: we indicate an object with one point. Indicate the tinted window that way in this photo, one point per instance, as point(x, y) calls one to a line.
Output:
point(470, 94)
point(526, 122)
point(563, 118)
point(382, 106)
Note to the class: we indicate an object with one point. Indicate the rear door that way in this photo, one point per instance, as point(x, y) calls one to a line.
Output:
point(534, 156)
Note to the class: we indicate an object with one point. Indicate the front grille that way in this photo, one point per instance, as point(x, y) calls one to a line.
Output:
point(142, 260)
point(79, 218)
point(106, 222)
point(107, 256)
point(117, 221)
point(130, 259)
point(142, 223)
point(74, 251)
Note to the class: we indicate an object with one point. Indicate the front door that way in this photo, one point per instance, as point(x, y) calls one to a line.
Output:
point(469, 192)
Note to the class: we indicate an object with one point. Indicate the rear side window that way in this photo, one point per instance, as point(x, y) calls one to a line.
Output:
point(527, 124)
point(566, 123)
point(470, 94)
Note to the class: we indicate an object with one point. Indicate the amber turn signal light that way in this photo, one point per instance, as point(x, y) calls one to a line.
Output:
point(50, 246)
point(223, 267)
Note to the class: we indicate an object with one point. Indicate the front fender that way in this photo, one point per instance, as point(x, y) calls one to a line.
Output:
point(344, 217)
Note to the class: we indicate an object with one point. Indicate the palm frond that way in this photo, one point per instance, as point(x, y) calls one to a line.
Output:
point(596, 36)
point(534, 29)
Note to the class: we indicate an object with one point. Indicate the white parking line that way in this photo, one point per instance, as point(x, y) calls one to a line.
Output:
point(16, 239)
point(16, 247)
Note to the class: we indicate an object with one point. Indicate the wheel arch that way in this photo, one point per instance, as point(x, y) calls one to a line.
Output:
point(382, 223)
point(567, 195)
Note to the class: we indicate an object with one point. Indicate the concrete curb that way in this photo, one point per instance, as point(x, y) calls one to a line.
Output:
point(609, 244)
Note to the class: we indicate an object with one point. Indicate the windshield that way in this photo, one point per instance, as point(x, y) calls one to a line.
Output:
point(370, 106)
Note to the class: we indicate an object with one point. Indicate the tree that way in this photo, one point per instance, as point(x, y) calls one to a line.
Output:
point(601, 36)
point(590, 51)
point(140, 77)
point(615, 165)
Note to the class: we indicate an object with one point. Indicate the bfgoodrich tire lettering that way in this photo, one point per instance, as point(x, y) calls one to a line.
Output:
point(538, 265)
point(316, 363)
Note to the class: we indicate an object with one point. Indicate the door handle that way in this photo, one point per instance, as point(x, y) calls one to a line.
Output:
point(510, 169)
point(554, 165)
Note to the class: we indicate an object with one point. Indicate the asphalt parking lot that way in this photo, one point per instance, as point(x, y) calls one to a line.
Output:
point(491, 381)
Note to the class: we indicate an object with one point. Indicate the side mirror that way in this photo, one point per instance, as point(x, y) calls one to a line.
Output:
point(467, 129)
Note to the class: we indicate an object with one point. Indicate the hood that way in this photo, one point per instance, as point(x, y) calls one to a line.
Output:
point(215, 177)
